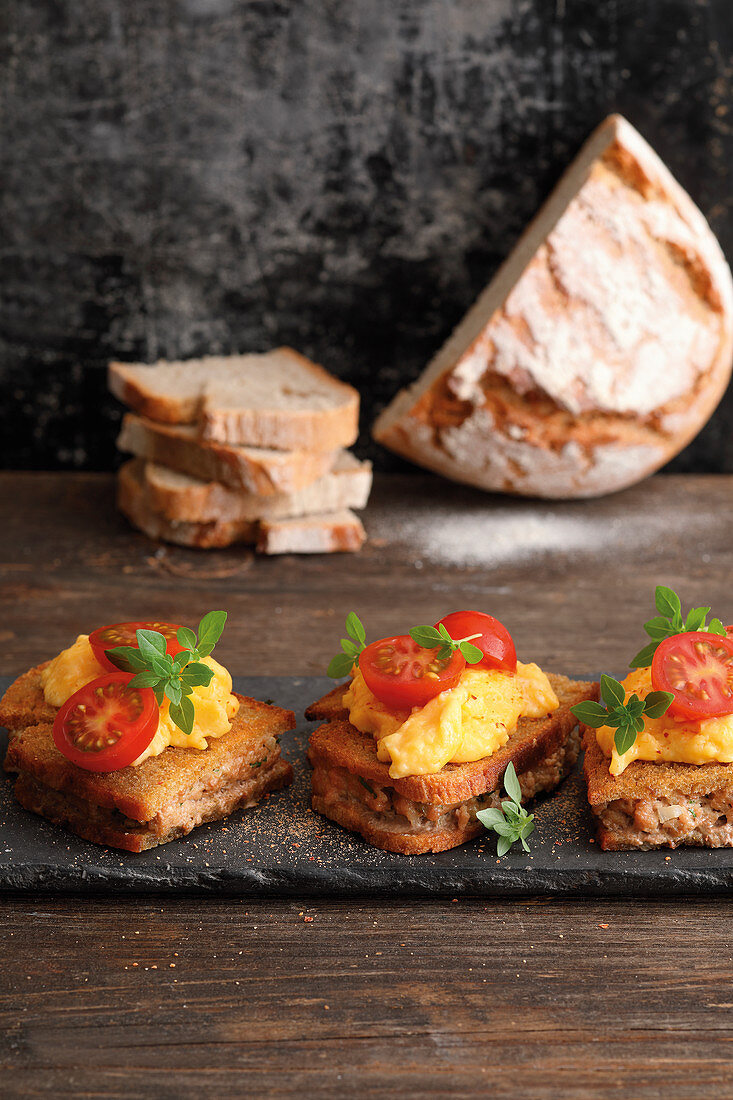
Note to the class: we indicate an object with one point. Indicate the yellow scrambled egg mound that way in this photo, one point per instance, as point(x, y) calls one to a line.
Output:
point(213, 706)
point(469, 722)
point(667, 738)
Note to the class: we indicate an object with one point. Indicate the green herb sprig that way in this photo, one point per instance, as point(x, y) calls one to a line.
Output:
point(172, 678)
point(427, 637)
point(430, 637)
point(627, 718)
point(511, 823)
point(669, 622)
point(342, 664)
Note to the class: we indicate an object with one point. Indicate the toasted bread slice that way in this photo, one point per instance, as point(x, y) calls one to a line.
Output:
point(23, 704)
point(182, 498)
point(112, 829)
point(658, 805)
point(256, 470)
point(164, 797)
point(430, 813)
point(280, 399)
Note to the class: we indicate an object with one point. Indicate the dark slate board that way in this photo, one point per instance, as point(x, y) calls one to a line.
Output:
point(283, 848)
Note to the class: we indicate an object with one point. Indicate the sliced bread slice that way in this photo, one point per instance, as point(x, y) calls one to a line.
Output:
point(251, 469)
point(317, 534)
point(599, 349)
point(279, 399)
point(323, 534)
point(133, 502)
point(181, 497)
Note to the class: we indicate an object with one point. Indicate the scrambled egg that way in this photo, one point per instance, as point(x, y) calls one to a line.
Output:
point(469, 722)
point(680, 740)
point(214, 706)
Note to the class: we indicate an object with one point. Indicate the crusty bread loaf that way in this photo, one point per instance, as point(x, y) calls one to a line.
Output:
point(600, 348)
point(179, 497)
point(278, 400)
point(253, 469)
point(314, 534)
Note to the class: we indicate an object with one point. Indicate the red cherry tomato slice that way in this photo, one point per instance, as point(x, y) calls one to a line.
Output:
point(402, 675)
point(106, 724)
point(107, 637)
point(495, 640)
point(698, 669)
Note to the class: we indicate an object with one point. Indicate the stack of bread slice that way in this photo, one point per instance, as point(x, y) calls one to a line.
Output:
point(241, 449)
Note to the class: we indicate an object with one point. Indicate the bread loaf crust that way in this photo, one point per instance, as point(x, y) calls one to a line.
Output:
point(338, 532)
point(599, 350)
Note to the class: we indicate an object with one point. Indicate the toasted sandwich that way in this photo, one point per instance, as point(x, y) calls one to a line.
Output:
point(431, 813)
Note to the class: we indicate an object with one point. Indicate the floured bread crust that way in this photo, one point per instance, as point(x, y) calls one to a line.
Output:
point(598, 351)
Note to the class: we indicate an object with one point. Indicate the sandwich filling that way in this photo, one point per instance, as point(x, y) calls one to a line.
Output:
point(214, 705)
point(670, 739)
point(468, 722)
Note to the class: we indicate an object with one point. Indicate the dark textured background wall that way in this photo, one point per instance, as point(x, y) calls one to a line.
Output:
point(214, 175)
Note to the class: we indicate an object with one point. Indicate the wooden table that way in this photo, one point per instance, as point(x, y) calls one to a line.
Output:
point(194, 996)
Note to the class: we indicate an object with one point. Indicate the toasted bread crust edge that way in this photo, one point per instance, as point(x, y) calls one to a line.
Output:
point(405, 844)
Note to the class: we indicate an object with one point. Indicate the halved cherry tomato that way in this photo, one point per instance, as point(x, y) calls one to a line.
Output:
point(106, 724)
point(404, 675)
point(107, 637)
point(698, 669)
point(495, 640)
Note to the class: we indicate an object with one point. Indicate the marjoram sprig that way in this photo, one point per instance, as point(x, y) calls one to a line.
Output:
point(626, 716)
point(669, 622)
point(431, 637)
point(172, 678)
point(511, 823)
point(427, 637)
point(342, 664)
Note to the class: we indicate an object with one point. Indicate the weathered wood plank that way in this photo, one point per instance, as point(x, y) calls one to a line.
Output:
point(462, 999)
point(572, 581)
